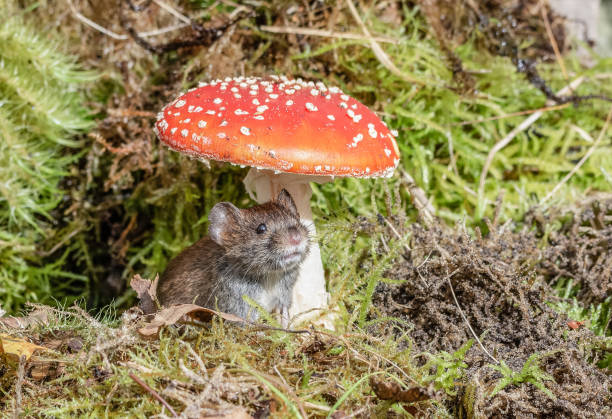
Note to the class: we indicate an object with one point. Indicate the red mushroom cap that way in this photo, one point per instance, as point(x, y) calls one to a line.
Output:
point(285, 125)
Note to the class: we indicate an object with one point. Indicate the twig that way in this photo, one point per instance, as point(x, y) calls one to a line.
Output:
point(448, 277)
point(20, 379)
point(378, 51)
point(325, 33)
point(154, 393)
point(582, 160)
point(419, 199)
point(523, 126)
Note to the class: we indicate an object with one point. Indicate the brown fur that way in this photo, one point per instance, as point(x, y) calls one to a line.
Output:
point(235, 260)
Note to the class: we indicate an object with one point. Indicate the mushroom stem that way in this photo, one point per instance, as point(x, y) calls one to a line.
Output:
point(309, 293)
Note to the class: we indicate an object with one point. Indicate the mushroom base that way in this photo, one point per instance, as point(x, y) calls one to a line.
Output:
point(310, 297)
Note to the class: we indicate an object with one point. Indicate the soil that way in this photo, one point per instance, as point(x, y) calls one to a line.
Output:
point(502, 283)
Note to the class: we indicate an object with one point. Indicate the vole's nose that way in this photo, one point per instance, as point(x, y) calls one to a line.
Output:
point(295, 237)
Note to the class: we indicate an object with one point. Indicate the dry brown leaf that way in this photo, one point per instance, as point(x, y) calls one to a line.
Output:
point(40, 315)
point(171, 315)
point(390, 390)
point(147, 293)
point(14, 348)
point(46, 370)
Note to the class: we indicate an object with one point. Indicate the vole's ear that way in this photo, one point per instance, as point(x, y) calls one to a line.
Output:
point(284, 199)
point(221, 218)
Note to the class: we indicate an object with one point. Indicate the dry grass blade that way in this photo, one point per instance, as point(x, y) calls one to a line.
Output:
point(522, 127)
point(582, 160)
point(553, 41)
point(154, 393)
point(378, 51)
point(325, 33)
point(18, 387)
point(123, 37)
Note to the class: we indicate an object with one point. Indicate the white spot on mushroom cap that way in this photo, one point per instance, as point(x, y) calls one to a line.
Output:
point(223, 123)
point(240, 112)
point(289, 103)
point(210, 112)
point(255, 101)
point(201, 124)
point(217, 100)
point(344, 97)
point(394, 133)
point(262, 108)
point(179, 103)
point(331, 117)
point(184, 132)
point(245, 131)
point(387, 152)
point(311, 107)
point(173, 130)
point(356, 139)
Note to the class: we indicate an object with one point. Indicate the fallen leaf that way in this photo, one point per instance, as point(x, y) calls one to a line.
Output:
point(14, 348)
point(40, 315)
point(46, 370)
point(171, 315)
point(147, 293)
point(390, 390)
point(573, 324)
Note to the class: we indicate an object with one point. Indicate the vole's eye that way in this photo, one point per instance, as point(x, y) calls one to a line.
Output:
point(261, 228)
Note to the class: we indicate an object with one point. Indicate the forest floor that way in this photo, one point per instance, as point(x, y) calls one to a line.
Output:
point(500, 306)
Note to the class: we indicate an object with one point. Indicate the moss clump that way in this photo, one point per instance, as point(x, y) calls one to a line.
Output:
point(41, 110)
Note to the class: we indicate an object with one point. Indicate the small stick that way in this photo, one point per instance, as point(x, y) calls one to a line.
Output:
point(419, 199)
point(582, 160)
point(154, 393)
point(324, 33)
point(522, 127)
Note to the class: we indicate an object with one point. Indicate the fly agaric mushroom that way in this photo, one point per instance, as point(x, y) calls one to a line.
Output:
point(291, 133)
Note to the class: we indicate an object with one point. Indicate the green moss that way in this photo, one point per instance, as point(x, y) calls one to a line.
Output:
point(41, 111)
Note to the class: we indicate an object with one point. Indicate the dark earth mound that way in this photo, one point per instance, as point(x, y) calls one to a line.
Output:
point(502, 283)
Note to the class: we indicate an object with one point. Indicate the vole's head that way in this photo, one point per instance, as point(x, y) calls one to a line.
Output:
point(264, 238)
